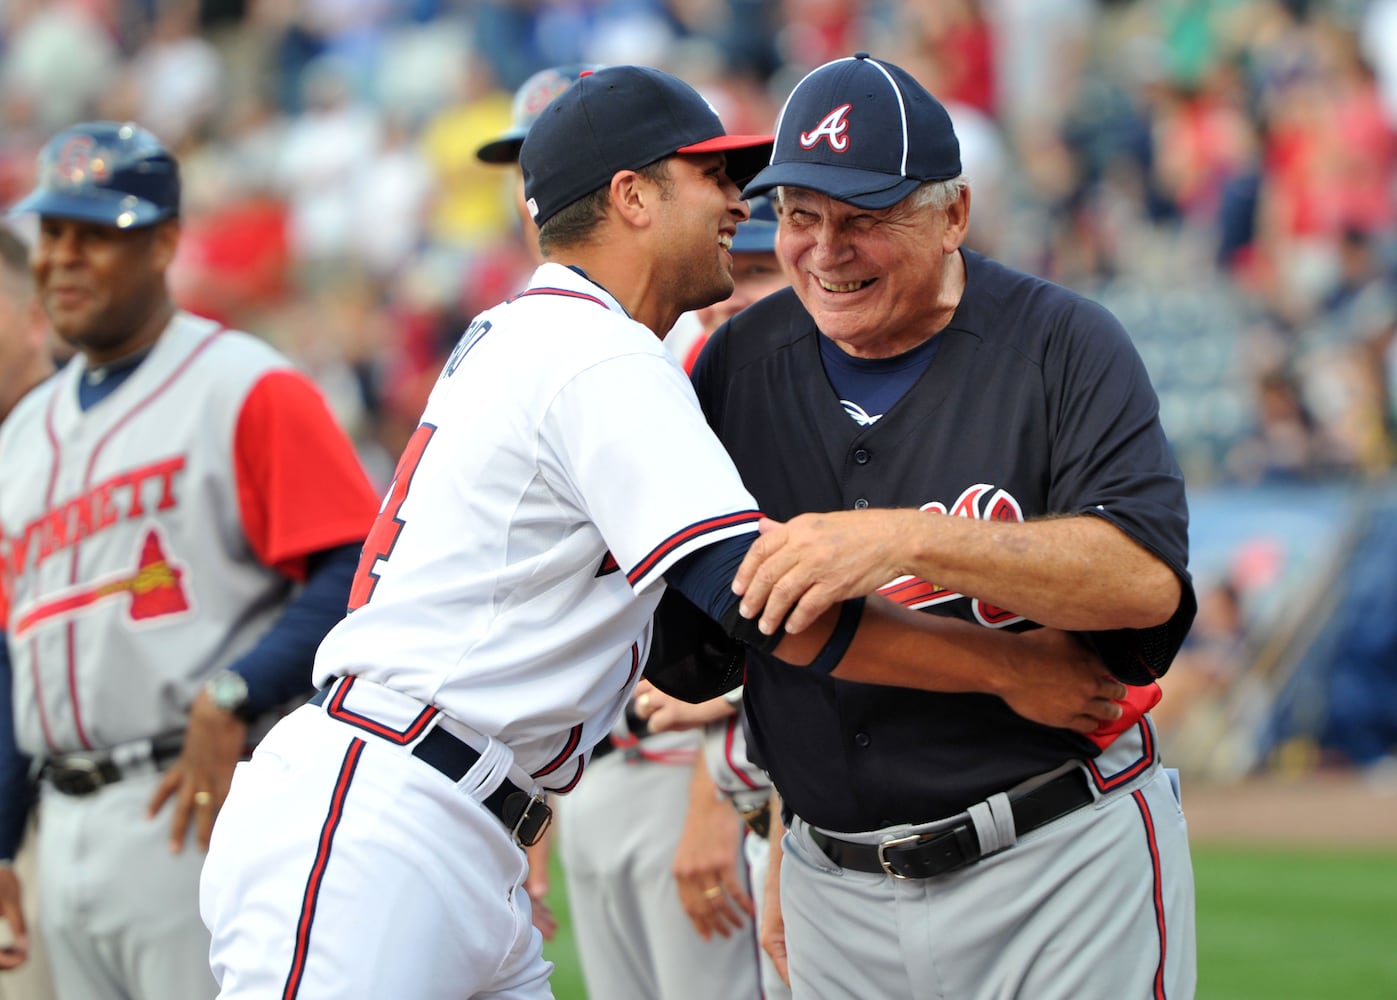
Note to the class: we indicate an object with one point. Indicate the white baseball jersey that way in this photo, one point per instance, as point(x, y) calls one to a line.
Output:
point(561, 466)
point(138, 559)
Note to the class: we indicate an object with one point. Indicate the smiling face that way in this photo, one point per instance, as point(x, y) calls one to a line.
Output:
point(878, 282)
point(696, 219)
point(103, 288)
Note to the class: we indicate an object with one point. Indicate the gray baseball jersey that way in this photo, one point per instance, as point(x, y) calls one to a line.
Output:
point(148, 541)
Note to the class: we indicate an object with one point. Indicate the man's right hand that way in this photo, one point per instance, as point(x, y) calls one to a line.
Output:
point(15, 949)
point(1055, 680)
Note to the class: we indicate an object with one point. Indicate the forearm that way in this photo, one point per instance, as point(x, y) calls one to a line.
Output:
point(896, 646)
point(16, 790)
point(1077, 573)
point(278, 667)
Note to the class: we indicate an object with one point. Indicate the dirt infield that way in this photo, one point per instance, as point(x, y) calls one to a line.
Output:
point(1325, 809)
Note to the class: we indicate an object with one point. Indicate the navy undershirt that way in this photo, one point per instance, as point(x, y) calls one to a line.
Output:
point(868, 387)
point(100, 382)
point(705, 576)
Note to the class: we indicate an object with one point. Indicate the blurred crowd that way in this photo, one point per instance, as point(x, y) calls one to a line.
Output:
point(1218, 172)
point(1222, 174)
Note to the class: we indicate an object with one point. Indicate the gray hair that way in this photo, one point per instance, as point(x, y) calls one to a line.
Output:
point(940, 195)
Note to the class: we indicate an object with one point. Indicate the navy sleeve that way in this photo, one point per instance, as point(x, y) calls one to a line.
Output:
point(705, 576)
point(1111, 459)
point(16, 789)
point(278, 668)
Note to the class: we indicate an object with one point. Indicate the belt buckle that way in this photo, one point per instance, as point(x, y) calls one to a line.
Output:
point(898, 842)
point(535, 816)
point(80, 776)
point(758, 819)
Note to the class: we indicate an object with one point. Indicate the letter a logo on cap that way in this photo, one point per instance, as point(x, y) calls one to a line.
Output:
point(832, 128)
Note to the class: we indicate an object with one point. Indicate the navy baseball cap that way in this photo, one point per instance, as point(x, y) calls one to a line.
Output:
point(112, 173)
point(758, 233)
point(623, 118)
point(863, 132)
point(530, 99)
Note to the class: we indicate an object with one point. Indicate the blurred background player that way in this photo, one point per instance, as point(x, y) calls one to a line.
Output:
point(182, 518)
point(618, 831)
point(25, 361)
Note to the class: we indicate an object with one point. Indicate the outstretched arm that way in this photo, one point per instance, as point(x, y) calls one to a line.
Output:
point(1080, 573)
point(1049, 678)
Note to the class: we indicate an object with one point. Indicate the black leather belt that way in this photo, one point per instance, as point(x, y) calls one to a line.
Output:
point(929, 854)
point(86, 773)
point(525, 816)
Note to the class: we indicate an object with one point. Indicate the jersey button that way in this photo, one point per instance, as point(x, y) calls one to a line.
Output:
point(862, 740)
point(860, 504)
point(862, 456)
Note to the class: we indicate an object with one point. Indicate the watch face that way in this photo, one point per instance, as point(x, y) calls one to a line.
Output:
point(228, 690)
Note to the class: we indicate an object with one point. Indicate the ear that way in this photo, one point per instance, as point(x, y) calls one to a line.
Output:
point(164, 242)
point(957, 222)
point(632, 196)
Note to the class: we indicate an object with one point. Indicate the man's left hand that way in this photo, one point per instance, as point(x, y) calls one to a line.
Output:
point(198, 782)
point(803, 566)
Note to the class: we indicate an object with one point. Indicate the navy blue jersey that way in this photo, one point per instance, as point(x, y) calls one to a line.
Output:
point(1036, 403)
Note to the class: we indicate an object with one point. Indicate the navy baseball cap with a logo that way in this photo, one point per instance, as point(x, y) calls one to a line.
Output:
point(863, 132)
point(112, 173)
point(623, 118)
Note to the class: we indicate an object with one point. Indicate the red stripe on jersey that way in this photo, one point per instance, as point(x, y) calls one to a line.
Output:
point(317, 870)
point(336, 710)
point(1158, 894)
point(635, 663)
point(1107, 782)
point(573, 742)
point(565, 293)
point(687, 535)
point(38, 688)
point(576, 777)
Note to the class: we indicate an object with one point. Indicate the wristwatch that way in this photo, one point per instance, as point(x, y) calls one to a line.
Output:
point(227, 690)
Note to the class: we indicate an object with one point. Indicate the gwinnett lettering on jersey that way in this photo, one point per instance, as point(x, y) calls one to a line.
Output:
point(123, 497)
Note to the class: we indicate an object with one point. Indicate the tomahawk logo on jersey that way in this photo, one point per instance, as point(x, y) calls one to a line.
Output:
point(982, 502)
point(155, 586)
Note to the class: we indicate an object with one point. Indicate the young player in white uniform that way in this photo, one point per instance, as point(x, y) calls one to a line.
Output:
point(501, 614)
point(181, 519)
point(618, 831)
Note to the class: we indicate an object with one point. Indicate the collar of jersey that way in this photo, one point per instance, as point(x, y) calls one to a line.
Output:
point(561, 276)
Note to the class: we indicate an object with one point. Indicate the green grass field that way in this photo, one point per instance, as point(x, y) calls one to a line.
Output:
point(1272, 925)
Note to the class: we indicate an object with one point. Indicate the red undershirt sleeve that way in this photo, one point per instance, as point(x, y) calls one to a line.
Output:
point(301, 488)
